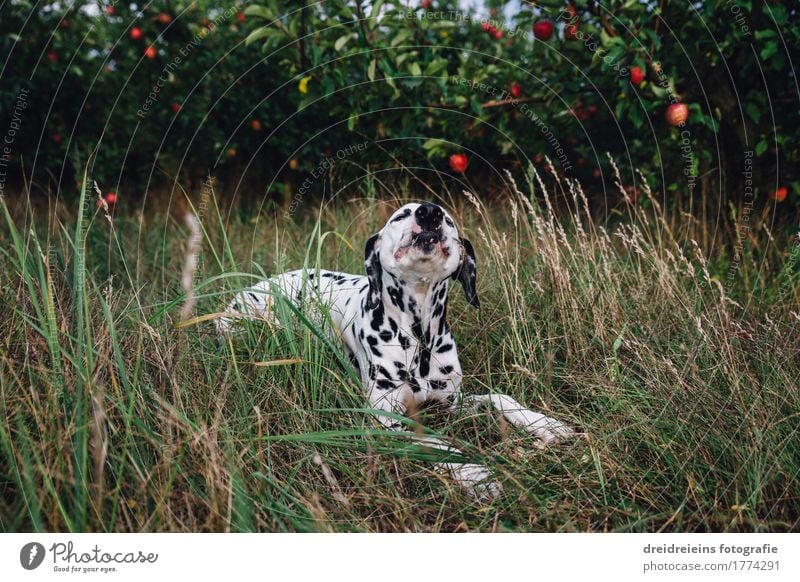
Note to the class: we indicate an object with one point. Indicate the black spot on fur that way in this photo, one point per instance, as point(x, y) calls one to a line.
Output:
point(402, 215)
point(404, 342)
point(446, 369)
point(445, 348)
point(443, 323)
point(424, 362)
point(412, 304)
point(396, 296)
point(386, 335)
point(438, 384)
point(415, 387)
point(385, 384)
point(377, 317)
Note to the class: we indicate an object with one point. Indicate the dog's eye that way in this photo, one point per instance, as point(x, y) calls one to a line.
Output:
point(402, 215)
point(449, 222)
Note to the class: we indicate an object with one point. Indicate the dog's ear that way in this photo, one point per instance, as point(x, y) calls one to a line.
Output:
point(372, 263)
point(467, 273)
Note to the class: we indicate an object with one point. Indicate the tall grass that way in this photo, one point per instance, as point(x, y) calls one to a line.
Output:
point(117, 417)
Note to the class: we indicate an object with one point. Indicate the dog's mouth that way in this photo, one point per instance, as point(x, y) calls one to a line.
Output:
point(426, 241)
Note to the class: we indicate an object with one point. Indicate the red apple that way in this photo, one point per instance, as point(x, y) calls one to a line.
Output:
point(176, 107)
point(425, 4)
point(637, 75)
point(240, 17)
point(516, 90)
point(677, 114)
point(150, 52)
point(56, 137)
point(780, 194)
point(111, 197)
point(52, 56)
point(497, 34)
point(543, 29)
point(231, 152)
point(571, 32)
point(293, 164)
point(110, 10)
point(64, 23)
point(486, 27)
point(164, 18)
point(458, 163)
point(256, 125)
point(136, 33)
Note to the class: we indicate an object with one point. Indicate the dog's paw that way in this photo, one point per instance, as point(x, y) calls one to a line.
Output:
point(551, 431)
point(477, 481)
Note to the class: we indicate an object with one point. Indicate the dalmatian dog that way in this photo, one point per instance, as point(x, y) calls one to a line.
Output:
point(393, 322)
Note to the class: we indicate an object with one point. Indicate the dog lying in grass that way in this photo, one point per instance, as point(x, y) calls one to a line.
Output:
point(393, 321)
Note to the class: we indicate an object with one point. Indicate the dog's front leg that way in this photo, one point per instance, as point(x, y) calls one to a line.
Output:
point(548, 429)
point(476, 479)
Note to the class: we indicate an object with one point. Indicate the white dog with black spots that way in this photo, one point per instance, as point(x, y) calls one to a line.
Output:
point(393, 322)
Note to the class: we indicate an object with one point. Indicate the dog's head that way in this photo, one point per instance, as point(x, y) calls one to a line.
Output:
point(420, 242)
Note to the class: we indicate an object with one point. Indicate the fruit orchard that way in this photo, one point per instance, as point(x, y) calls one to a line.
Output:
point(260, 93)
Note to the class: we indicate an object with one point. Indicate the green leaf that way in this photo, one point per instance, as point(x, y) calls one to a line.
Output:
point(761, 147)
point(371, 70)
point(432, 143)
point(622, 105)
point(259, 11)
point(343, 9)
point(769, 49)
point(753, 111)
point(401, 37)
point(414, 69)
point(435, 67)
point(341, 41)
point(257, 34)
point(373, 14)
point(658, 91)
point(618, 342)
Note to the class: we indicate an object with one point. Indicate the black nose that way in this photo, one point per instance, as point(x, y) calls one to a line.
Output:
point(429, 216)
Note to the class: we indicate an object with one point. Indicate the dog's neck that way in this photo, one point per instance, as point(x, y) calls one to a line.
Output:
point(417, 304)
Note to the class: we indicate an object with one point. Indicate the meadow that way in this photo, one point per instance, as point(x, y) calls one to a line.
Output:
point(677, 362)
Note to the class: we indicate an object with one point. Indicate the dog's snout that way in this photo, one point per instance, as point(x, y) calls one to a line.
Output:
point(429, 216)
